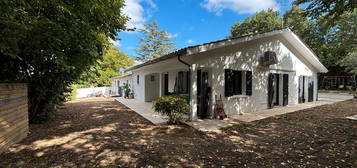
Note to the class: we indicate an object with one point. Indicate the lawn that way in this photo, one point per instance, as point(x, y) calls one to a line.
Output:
point(100, 132)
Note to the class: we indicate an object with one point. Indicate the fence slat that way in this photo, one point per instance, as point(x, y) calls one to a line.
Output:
point(13, 114)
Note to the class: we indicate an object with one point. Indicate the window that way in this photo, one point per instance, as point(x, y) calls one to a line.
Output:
point(137, 79)
point(152, 78)
point(234, 81)
point(182, 82)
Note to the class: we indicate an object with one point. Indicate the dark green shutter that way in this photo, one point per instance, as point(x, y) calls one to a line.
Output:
point(228, 82)
point(249, 82)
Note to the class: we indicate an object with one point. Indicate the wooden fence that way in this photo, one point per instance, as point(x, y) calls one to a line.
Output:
point(13, 114)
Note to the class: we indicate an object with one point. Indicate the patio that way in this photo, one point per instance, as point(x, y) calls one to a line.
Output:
point(142, 108)
point(145, 110)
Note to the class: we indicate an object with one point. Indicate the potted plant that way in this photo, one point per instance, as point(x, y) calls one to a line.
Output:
point(126, 91)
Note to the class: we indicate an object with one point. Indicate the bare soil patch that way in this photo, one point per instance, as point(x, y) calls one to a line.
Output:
point(99, 132)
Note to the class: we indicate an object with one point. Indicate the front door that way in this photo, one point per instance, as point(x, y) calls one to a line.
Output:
point(203, 94)
point(276, 87)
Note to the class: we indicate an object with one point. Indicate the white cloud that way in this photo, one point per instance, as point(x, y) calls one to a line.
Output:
point(190, 41)
point(173, 35)
point(151, 3)
point(115, 42)
point(239, 6)
point(135, 10)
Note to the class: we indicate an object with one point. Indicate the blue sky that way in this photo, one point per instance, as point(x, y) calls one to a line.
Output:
point(190, 22)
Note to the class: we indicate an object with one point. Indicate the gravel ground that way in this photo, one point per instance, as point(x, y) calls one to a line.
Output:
point(99, 132)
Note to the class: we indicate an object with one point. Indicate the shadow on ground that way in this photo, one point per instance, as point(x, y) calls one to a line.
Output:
point(99, 132)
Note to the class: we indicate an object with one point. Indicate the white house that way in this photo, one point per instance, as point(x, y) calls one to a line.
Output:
point(119, 82)
point(249, 73)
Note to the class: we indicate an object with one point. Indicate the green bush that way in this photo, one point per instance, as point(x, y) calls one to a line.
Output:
point(72, 94)
point(174, 108)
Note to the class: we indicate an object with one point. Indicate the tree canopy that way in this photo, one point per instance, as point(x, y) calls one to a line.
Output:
point(49, 44)
point(155, 43)
point(100, 73)
point(260, 22)
point(334, 9)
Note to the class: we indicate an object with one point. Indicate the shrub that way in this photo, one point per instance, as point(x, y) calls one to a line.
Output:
point(127, 90)
point(72, 94)
point(174, 108)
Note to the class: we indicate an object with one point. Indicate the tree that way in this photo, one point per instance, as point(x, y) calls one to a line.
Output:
point(155, 43)
point(261, 22)
point(309, 30)
point(100, 73)
point(49, 44)
point(350, 61)
point(295, 19)
point(330, 43)
point(342, 38)
point(334, 9)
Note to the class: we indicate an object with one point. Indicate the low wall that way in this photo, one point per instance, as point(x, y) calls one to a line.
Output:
point(13, 114)
point(93, 92)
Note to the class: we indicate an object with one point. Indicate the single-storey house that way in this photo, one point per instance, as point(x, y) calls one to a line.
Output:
point(246, 73)
point(119, 83)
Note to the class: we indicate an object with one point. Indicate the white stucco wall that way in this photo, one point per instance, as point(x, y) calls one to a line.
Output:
point(92, 92)
point(172, 67)
point(122, 82)
point(246, 57)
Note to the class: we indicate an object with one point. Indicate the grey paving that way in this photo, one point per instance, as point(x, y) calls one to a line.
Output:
point(216, 125)
point(144, 109)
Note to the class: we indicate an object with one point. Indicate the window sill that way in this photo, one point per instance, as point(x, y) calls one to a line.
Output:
point(239, 96)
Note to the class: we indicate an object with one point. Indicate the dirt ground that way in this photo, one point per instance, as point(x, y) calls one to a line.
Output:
point(100, 132)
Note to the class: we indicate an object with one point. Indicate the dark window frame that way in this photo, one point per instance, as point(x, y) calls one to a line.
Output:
point(183, 85)
point(234, 82)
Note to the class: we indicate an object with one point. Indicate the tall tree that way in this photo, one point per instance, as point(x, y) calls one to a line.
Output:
point(155, 43)
point(295, 19)
point(101, 72)
point(330, 8)
point(350, 62)
point(342, 38)
point(260, 22)
point(307, 29)
point(49, 44)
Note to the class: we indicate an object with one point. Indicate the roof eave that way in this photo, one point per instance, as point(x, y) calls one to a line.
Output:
point(307, 52)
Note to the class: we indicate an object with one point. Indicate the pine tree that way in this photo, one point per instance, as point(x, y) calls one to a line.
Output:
point(155, 43)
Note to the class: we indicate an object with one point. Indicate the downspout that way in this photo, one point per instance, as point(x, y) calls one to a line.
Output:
point(189, 69)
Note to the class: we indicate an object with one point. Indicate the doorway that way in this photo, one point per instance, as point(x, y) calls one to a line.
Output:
point(278, 89)
point(166, 84)
point(152, 87)
point(203, 94)
point(301, 97)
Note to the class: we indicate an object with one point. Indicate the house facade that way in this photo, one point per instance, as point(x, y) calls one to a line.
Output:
point(247, 73)
point(118, 84)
